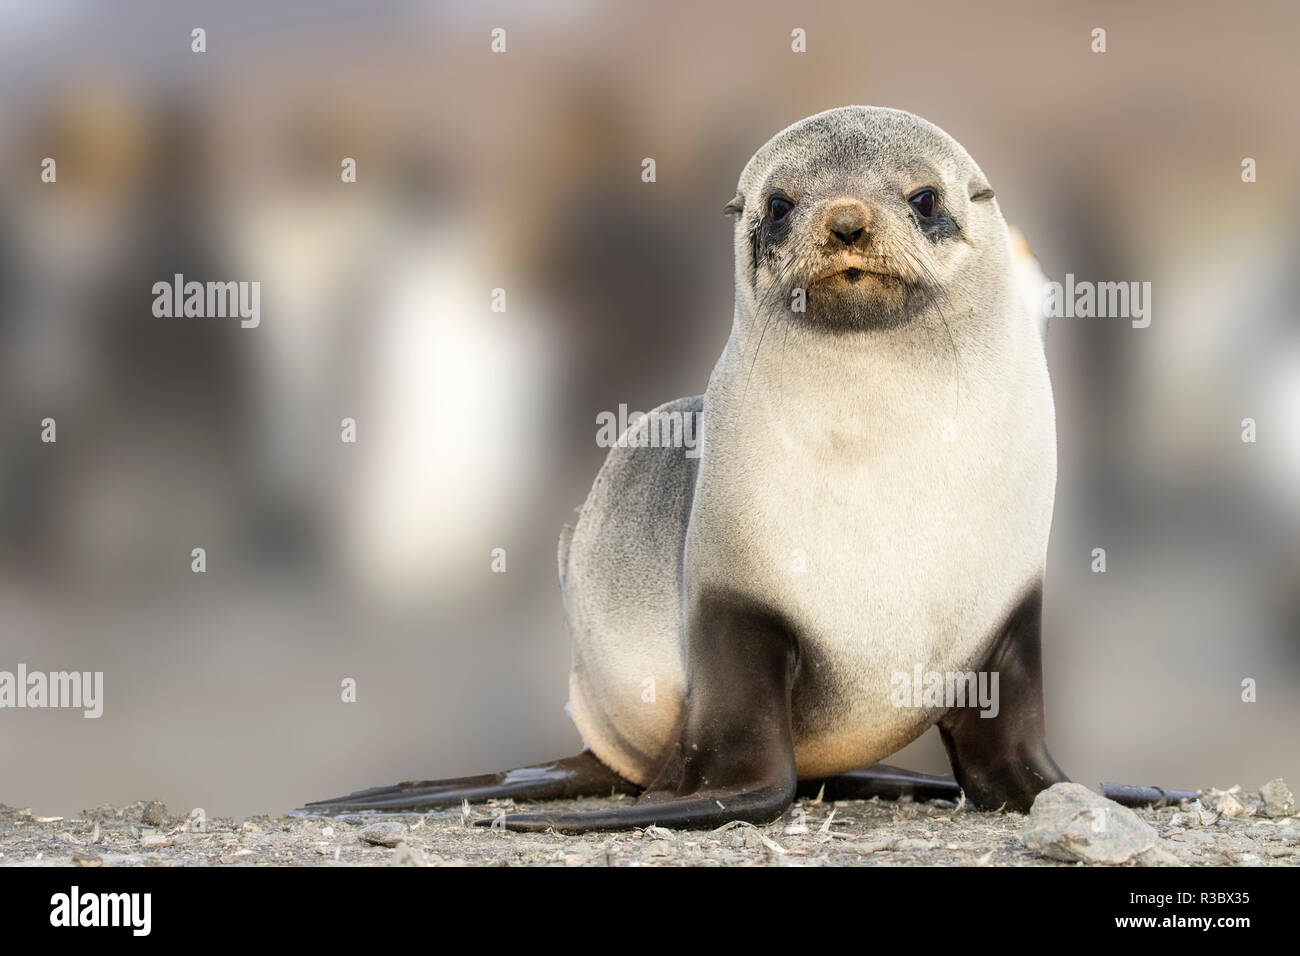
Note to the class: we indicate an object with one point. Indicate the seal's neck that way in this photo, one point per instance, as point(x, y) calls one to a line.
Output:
point(788, 359)
point(779, 371)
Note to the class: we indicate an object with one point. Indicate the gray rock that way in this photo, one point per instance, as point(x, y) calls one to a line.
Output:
point(1069, 822)
point(383, 834)
point(155, 814)
point(1157, 856)
point(1230, 805)
point(1278, 800)
point(912, 845)
point(154, 840)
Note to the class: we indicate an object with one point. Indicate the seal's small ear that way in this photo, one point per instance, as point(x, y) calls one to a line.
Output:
point(979, 191)
point(735, 207)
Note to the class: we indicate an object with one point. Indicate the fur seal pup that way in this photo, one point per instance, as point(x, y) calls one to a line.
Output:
point(872, 499)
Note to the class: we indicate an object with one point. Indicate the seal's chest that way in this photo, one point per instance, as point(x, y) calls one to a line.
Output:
point(905, 538)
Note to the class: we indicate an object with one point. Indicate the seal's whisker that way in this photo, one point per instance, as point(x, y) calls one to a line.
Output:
point(929, 288)
point(761, 335)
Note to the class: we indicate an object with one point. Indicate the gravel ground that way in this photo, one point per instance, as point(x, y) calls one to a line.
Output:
point(871, 833)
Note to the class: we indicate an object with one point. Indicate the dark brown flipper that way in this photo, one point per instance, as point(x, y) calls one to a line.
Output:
point(884, 781)
point(891, 783)
point(1002, 761)
point(580, 776)
point(734, 759)
point(1130, 796)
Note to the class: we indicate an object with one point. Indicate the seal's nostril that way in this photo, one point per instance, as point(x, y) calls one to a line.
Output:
point(846, 221)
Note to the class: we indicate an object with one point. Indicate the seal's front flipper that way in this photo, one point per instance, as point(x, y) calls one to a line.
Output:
point(734, 757)
point(1002, 760)
point(884, 781)
point(698, 811)
point(580, 776)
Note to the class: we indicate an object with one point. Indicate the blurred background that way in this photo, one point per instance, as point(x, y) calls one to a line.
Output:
point(476, 429)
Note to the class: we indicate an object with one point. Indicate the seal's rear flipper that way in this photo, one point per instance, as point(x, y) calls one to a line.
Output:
point(891, 783)
point(580, 776)
point(734, 754)
point(697, 811)
point(1129, 796)
point(882, 780)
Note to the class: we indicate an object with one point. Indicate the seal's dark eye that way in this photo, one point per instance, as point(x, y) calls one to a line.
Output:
point(924, 202)
point(778, 207)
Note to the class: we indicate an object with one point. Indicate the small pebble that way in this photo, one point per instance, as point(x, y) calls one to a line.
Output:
point(1278, 800)
point(154, 839)
point(383, 834)
point(1230, 806)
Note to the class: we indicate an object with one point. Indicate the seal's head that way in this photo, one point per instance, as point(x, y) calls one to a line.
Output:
point(875, 214)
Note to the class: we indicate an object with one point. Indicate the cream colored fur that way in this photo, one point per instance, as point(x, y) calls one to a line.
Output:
point(889, 489)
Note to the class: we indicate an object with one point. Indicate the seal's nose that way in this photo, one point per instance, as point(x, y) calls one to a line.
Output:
point(846, 221)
